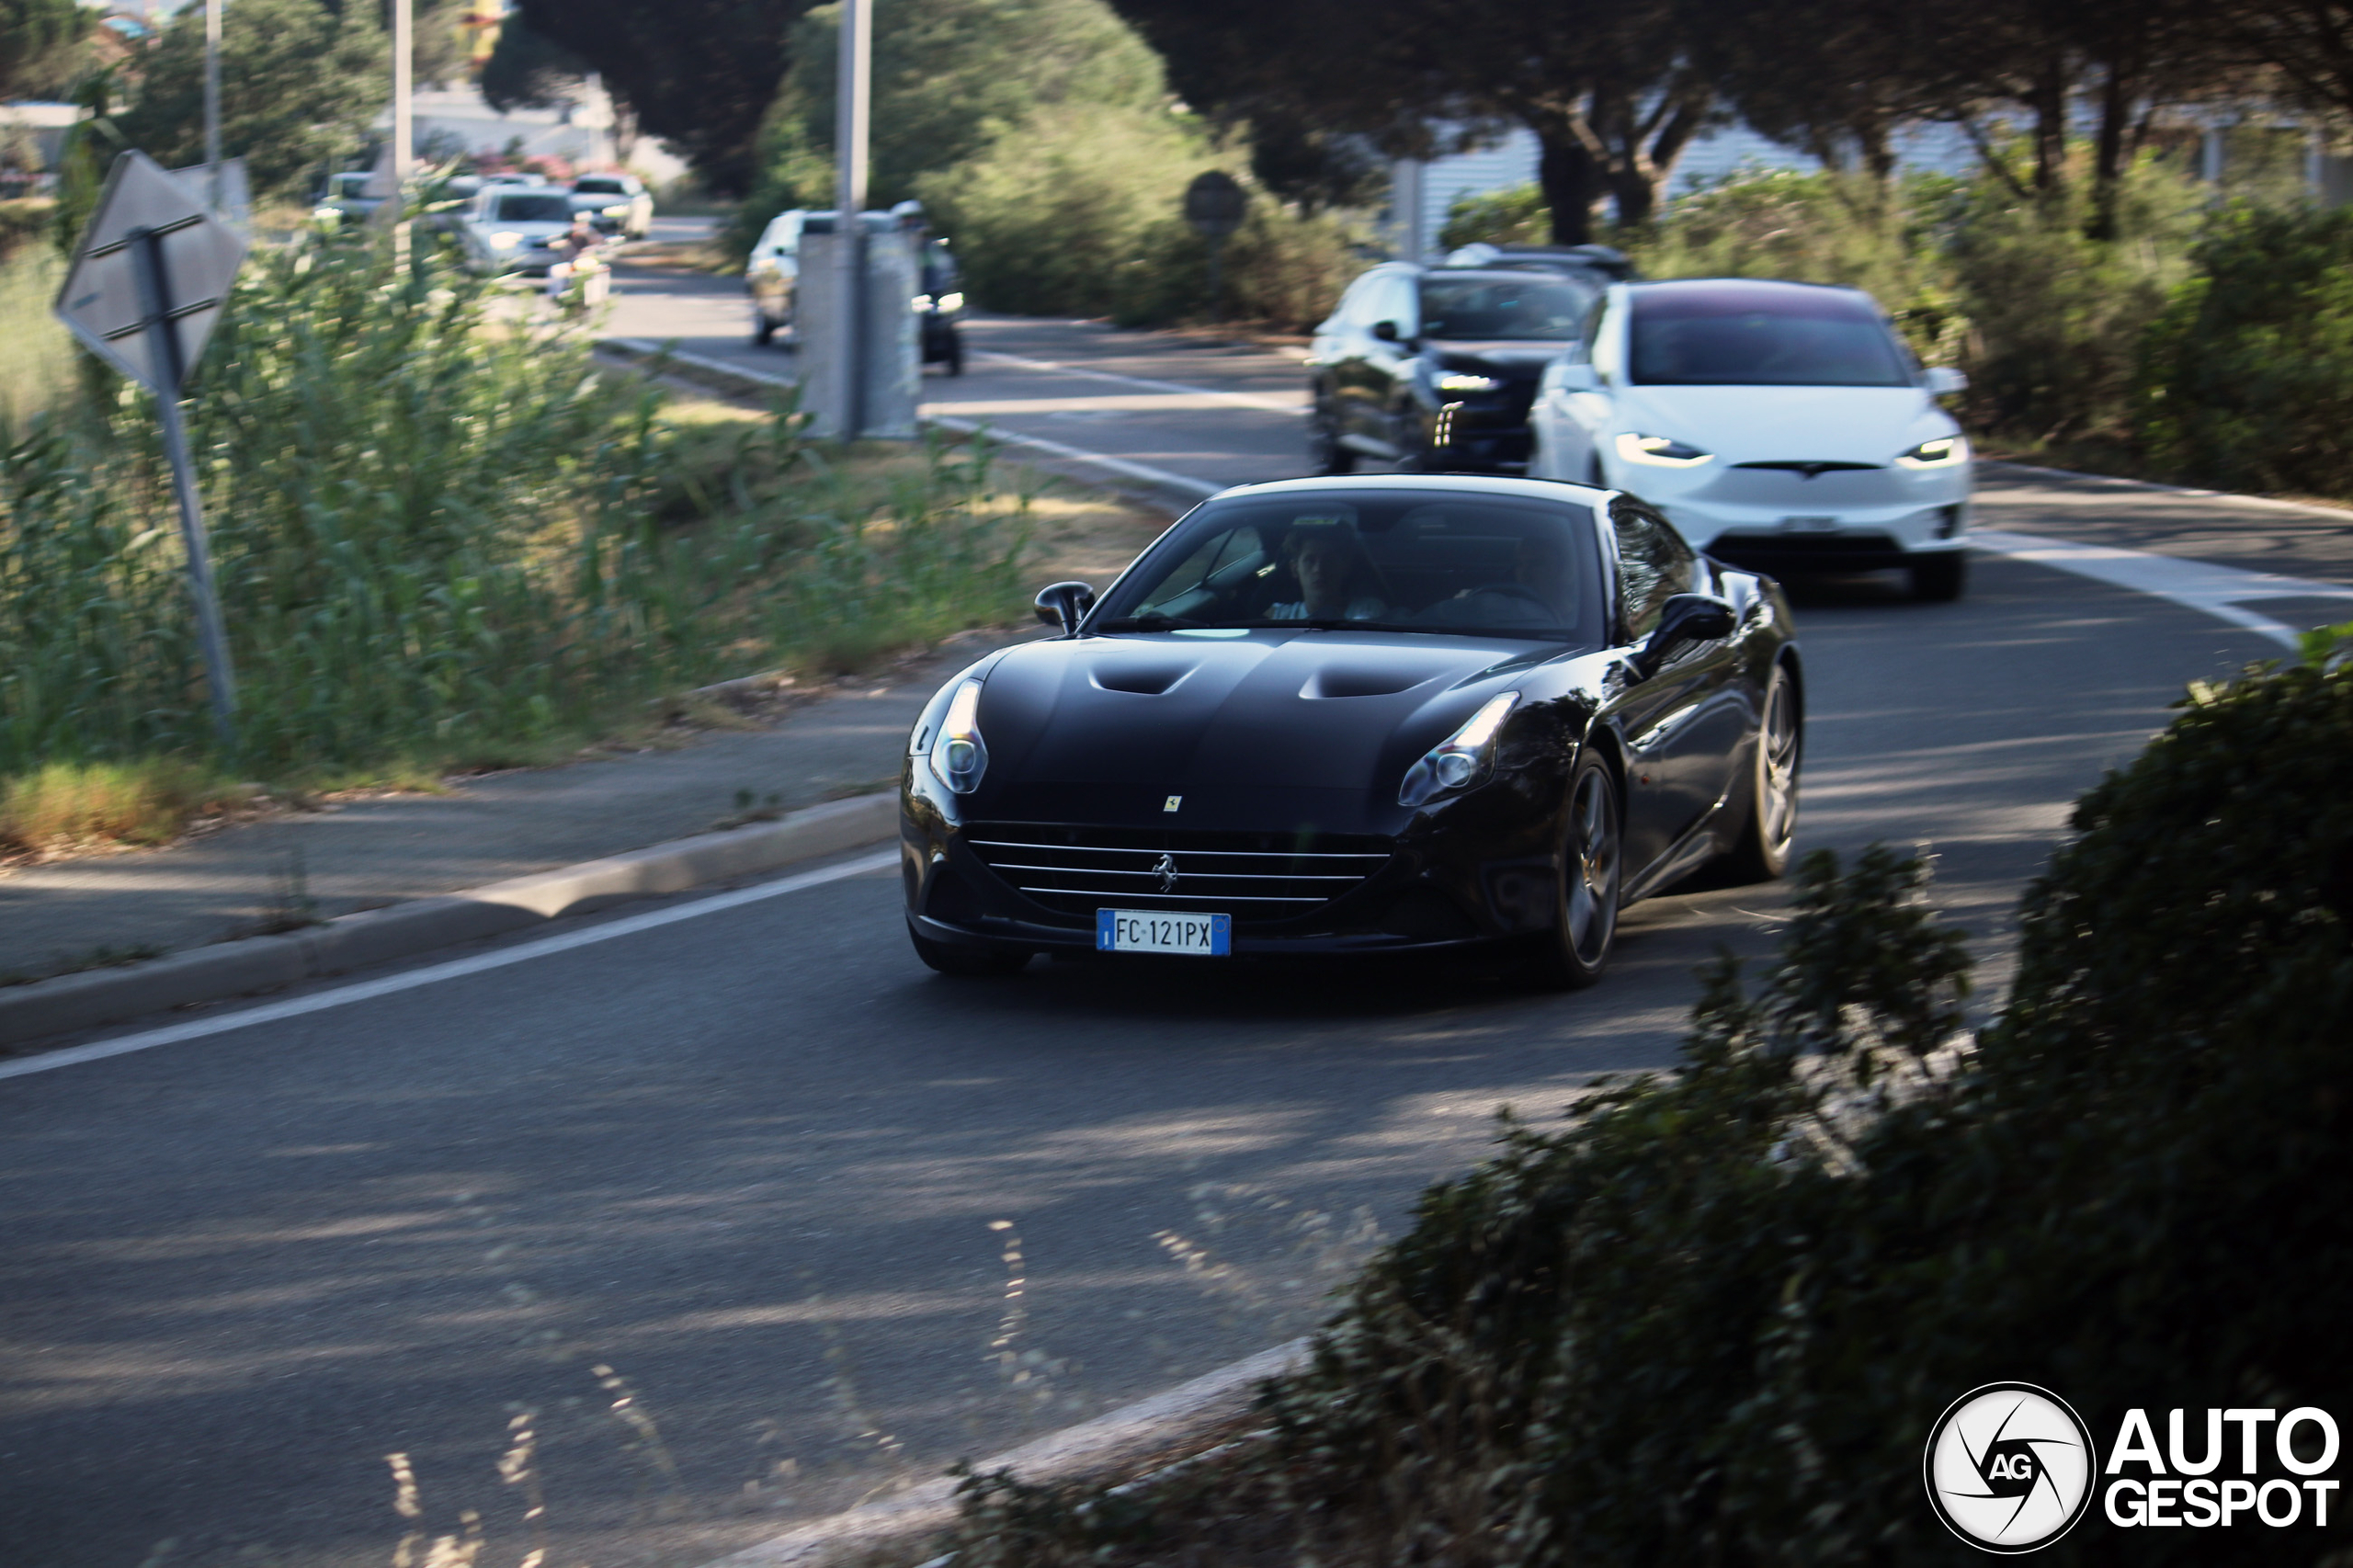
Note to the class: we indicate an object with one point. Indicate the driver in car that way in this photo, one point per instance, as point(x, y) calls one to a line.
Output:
point(1328, 561)
point(1536, 577)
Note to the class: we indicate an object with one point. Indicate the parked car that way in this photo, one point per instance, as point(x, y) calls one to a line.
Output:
point(1375, 715)
point(619, 204)
point(1434, 367)
point(1782, 426)
point(344, 198)
point(940, 309)
point(772, 274)
point(516, 229)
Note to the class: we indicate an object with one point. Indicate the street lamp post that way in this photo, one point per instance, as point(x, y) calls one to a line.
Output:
point(850, 112)
point(212, 104)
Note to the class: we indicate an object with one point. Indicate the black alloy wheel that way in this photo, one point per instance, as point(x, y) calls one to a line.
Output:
point(1409, 433)
point(1939, 578)
point(968, 963)
point(955, 351)
point(1585, 909)
point(1762, 853)
point(764, 333)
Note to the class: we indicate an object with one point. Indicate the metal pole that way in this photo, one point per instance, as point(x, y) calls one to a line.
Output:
point(856, 74)
point(213, 103)
point(401, 132)
point(1217, 277)
point(163, 346)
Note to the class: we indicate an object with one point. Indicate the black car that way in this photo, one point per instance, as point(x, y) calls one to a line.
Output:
point(1364, 715)
point(939, 307)
point(1435, 368)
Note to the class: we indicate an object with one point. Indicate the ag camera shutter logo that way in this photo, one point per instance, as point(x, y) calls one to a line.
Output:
point(2009, 1468)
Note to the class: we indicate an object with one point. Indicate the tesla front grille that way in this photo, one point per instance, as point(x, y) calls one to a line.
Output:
point(1254, 877)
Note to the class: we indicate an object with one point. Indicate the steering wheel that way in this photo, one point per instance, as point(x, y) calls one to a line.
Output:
point(1514, 590)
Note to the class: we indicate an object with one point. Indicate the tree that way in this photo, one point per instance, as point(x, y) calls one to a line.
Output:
point(950, 75)
point(38, 41)
point(699, 74)
point(301, 87)
point(526, 70)
point(1611, 93)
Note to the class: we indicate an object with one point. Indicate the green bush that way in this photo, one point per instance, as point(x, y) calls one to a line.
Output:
point(1515, 216)
point(1713, 1320)
point(435, 532)
point(2245, 378)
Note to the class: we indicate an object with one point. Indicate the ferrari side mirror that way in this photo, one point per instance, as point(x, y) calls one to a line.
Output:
point(1686, 618)
point(1064, 605)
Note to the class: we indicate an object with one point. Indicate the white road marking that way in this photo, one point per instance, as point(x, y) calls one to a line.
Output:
point(433, 974)
point(2202, 585)
point(1145, 471)
point(1294, 406)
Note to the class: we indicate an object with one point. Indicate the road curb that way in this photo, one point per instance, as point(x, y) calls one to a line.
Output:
point(1106, 1449)
point(2268, 502)
point(377, 936)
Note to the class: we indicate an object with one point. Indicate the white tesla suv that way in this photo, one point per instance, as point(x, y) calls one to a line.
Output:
point(1781, 427)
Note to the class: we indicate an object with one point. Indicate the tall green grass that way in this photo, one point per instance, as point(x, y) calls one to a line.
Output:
point(37, 369)
point(439, 530)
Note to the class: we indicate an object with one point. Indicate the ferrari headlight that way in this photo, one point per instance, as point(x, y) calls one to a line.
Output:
point(1945, 451)
point(1463, 381)
point(951, 302)
point(1660, 452)
point(958, 755)
point(1463, 759)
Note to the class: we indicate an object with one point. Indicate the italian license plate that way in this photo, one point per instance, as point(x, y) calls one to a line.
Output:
point(1811, 524)
point(1160, 931)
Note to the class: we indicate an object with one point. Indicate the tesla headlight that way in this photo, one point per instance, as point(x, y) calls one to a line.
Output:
point(1464, 381)
point(1945, 451)
point(958, 755)
point(951, 302)
point(505, 239)
point(1463, 759)
point(1660, 452)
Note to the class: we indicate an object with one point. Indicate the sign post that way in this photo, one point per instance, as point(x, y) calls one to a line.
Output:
point(1215, 204)
point(146, 288)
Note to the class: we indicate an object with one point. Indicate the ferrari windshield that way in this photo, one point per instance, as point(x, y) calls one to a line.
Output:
point(1486, 564)
point(1762, 334)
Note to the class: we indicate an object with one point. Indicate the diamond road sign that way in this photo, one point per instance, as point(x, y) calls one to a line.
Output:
point(199, 254)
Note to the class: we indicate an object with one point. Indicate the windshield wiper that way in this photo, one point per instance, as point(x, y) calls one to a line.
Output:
point(1154, 622)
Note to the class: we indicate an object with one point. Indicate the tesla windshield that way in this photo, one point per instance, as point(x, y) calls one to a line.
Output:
point(1530, 306)
point(1485, 565)
point(533, 210)
point(1762, 336)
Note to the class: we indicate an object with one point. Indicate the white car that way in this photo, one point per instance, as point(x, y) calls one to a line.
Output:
point(515, 228)
point(772, 274)
point(1781, 426)
point(616, 203)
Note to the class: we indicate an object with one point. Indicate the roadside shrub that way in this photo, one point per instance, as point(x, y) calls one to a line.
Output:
point(68, 805)
point(1516, 215)
point(2246, 376)
point(435, 532)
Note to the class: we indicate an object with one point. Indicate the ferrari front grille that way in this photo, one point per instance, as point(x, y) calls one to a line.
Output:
point(1075, 870)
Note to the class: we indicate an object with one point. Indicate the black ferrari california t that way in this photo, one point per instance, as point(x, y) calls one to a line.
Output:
point(1361, 715)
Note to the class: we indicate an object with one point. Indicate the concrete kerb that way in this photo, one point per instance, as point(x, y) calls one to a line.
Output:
point(2109, 480)
point(1105, 1450)
point(377, 936)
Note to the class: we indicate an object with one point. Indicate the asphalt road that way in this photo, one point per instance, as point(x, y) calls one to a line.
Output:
point(767, 1170)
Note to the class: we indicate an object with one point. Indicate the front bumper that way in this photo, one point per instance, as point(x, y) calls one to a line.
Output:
point(1490, 878)
point(1485, 432)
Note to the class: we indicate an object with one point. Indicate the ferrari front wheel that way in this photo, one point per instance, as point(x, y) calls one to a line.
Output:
point(1585, 925)
point(1762, 853)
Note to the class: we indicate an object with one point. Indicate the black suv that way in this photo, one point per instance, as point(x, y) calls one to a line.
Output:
point(1435, 368)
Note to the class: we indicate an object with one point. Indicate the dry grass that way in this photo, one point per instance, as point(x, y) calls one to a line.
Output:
point(36, 352)
point(66, 807)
